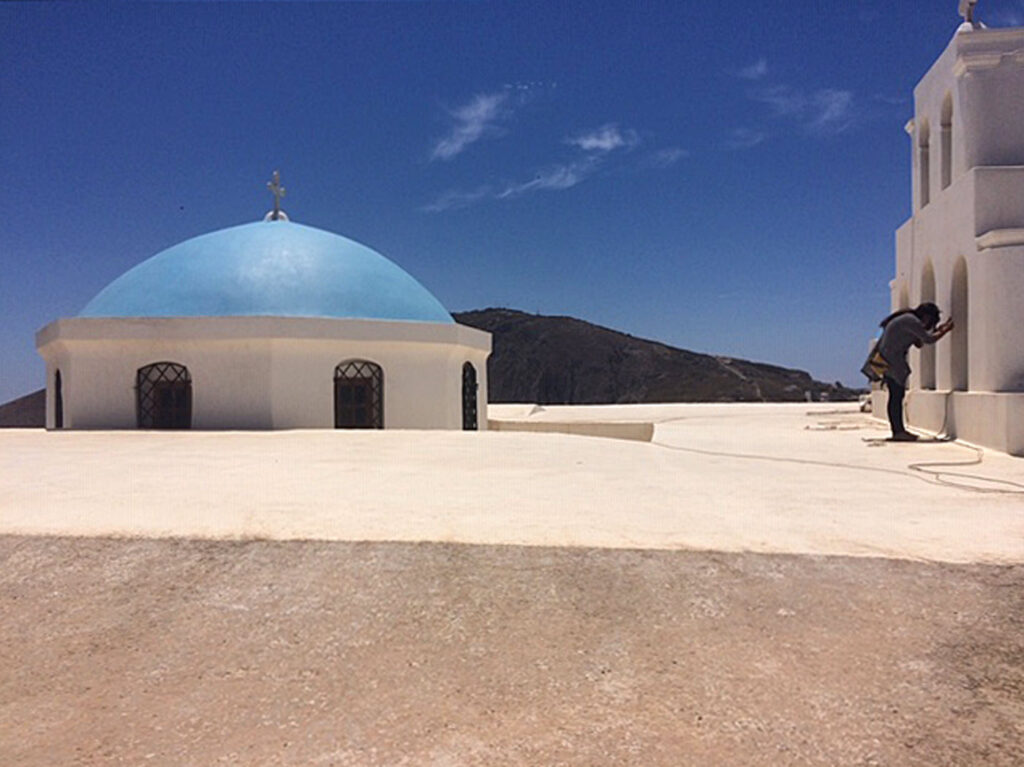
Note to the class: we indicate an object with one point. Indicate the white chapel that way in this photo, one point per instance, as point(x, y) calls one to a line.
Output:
point(963, 247)
point(266, 325)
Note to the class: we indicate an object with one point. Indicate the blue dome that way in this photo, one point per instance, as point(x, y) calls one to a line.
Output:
point(268, 268)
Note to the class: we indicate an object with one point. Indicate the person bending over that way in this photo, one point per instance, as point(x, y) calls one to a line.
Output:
point(900, 331)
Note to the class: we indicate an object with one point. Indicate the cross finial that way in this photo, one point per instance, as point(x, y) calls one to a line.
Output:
point(278, 191)
point(967, 10)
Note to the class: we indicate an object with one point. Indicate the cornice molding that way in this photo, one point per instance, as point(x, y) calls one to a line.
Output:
point(1000, 238)
point(984, 60)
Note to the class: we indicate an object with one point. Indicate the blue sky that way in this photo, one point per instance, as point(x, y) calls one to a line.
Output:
point(724, 177)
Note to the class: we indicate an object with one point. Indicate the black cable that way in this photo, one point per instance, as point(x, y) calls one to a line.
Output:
point(944, 436)
point(914, 470)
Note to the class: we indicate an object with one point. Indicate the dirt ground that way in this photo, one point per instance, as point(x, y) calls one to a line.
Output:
point(184, 652)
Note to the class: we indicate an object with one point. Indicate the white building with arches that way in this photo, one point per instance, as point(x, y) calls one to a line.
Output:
point(267, 325)
point(963, 247)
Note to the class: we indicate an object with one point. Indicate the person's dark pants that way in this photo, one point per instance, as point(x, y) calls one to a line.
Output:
point(895, 408)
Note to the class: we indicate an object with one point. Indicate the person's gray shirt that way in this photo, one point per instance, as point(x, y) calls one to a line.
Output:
point(899, 335)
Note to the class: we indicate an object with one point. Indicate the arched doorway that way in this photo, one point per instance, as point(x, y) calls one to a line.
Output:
point(58, 402)
point(928, 350)
point(358, 395)
point(959, 311)
point(163, 396)
point(469, 389)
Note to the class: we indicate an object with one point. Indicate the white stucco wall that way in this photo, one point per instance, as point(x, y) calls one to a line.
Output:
point(980, 72)
point(262, 372)
point(970, 222)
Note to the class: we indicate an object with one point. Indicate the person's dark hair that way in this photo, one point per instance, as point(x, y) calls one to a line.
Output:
point(927, 312)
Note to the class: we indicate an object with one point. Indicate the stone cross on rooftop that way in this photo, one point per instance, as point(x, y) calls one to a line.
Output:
point(278, 191)
point(967, 10)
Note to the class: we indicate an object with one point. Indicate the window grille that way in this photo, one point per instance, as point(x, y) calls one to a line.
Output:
point(358, 395)
point(469, 389)
point(163, 394)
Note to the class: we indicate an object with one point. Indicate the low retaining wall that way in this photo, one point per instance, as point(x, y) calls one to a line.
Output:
point(635, 430)
point(987, 419)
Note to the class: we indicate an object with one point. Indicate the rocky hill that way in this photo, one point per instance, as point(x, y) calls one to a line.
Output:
point(24, 412)
point(561, 360)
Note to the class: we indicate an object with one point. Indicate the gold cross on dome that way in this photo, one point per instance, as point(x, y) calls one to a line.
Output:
point(278, 191)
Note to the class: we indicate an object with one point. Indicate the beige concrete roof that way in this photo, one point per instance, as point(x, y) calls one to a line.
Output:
point(769, 478)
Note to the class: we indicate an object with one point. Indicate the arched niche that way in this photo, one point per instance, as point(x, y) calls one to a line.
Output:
point(946, 136)
point(924, 163)
point(927, 364)
point(960, 312)
point(358, 395)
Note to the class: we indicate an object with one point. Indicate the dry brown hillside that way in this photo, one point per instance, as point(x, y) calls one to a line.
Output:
point(27, 411)
point(562, 360)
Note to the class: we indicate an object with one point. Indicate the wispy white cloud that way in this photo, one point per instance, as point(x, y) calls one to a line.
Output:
point(782, 100)
point(831, 112)
point(555, 177)
point(531, 87)
point(665, 158)
point(454, 199)
point(756, 71)
point(604, 139)
point(552, 178)
point(823, 112)
point(744, 138)
point(471, 122)
point(603, 149)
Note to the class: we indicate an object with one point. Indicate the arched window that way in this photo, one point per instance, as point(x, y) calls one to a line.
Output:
point(927, 377)
point(358, 395)
point(163, 396)
point(946, 136)
point(959, 311)
point(469, 389)
point(58, 403)
point(923, 164)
